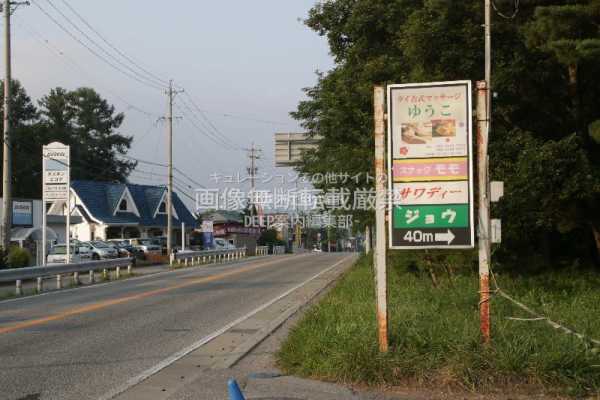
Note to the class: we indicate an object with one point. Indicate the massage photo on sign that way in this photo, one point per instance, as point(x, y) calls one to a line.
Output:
point(421, 133)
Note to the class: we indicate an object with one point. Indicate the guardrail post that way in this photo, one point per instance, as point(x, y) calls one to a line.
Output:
point(58, 281)
point(117, 273)
point(129, 268)
point(75, 278)
point(18, 288)
point(40, 284)
point(91, 276)
point(105, 274)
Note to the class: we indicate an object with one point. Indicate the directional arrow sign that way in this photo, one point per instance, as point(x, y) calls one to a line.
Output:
point(445, 237)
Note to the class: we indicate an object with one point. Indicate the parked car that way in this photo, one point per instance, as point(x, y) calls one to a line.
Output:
point(58, 254)
point(222, 244)
point(124, 248)
point(101, 250)
point(145, 245)
point(161, 241)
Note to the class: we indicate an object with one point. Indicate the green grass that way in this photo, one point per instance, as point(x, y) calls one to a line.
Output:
point(434, 334)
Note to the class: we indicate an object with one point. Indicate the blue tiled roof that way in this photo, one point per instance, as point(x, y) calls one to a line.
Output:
point(101, 198)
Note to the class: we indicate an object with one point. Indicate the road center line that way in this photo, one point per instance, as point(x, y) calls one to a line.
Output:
point(109, 303)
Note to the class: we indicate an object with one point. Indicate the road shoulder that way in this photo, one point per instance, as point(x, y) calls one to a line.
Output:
point(233, 352)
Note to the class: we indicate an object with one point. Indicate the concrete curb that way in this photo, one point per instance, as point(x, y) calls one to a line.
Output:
point(246, 347)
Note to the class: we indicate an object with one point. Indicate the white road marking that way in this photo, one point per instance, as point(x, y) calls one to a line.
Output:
point(194, 346)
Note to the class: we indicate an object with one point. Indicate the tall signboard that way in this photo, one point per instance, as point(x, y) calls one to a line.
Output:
point(207, 234)
point(430, 166)
point(56, 186)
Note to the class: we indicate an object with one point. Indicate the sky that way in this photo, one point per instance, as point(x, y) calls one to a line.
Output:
point(244, 64)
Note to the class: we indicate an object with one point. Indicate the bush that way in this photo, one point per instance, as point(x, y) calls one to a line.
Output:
point(3, 257)
point(18, 258)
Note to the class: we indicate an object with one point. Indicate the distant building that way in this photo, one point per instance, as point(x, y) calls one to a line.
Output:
point(118, 210)
point(230, 225)
point(27, 228)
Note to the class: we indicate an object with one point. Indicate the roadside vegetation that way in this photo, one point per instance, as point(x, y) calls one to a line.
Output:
point(434, 332)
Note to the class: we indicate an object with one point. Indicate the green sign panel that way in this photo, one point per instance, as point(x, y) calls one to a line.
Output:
point(436, 216)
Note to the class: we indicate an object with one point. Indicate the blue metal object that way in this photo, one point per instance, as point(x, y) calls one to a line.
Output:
point(234, 390)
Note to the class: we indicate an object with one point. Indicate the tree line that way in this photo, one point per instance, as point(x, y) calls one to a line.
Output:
point(545, 143)
point(80, 118)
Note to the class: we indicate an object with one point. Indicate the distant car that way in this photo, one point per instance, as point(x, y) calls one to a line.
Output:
point(58, 254)
point(101, 250)
point(162, 242)
point(222, 244)
point(124, 248)
point(147, 245)
point(317, 250)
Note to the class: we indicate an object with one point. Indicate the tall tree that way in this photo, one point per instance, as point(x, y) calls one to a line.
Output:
point(24, 142)
point(85, 121)
point(397, 41)
point(79, 118)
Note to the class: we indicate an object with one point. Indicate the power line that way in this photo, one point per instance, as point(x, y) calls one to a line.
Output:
point(185, 193)
point(208, 121)
point(94, 52)
point(103, 38)
point(195, 126)
point(144, 161)
point(69, 61)
point(162, 165)
point(151, 81)
point(154, 174)
point(195, 120)
point(248, 118)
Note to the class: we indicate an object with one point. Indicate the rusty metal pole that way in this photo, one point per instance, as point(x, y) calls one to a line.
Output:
point(484, 209)
point(380, 209)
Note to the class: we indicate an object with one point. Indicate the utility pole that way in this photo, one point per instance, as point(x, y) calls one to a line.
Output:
point(7, 156)
point(253, 155)
point(484, 113)
point(171, 93)
point(380, 211)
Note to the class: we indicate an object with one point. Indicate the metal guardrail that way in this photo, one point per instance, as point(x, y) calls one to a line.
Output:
point(181, 258)
point(207, 256)
point(262, 250)
point(278, 250)
point(40, 272)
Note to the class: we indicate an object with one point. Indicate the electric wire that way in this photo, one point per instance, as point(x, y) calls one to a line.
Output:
point(191, 120)
point(208, 121)
point(196, 121)
point(108, 43)
point(70, 62)
point(151, 81)
point(91, 50)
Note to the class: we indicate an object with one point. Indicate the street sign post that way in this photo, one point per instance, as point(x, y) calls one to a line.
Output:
point(430, 173)
point(55, 187)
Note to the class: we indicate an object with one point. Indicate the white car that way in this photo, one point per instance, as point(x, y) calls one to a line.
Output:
point(101, 250)
point(222, 244)
point(58, 254)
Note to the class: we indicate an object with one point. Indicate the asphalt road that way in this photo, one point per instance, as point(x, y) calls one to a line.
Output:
point(80, 344)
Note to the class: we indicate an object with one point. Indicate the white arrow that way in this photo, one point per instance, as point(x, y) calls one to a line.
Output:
point(445, 237)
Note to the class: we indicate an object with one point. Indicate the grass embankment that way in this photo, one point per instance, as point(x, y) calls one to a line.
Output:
point(435, 339)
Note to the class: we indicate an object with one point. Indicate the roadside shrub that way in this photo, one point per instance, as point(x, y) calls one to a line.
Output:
point(18, 258)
